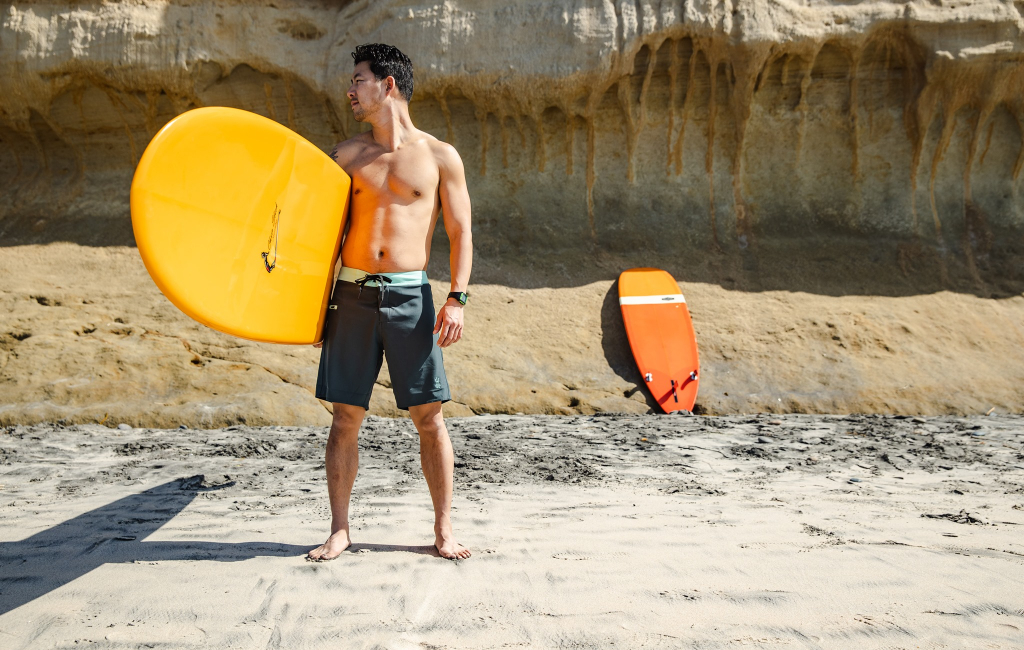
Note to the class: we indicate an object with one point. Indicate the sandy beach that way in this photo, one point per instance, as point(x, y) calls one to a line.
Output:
point(588, 532)
point(837, 187)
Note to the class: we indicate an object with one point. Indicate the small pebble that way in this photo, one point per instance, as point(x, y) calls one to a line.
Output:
point(764, 440)
point(124, 427)
point(854, 480)
point(182, 427)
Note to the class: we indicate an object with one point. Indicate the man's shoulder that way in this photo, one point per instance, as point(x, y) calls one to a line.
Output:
point(445, 154)
point(438, 147)
point(346, 150)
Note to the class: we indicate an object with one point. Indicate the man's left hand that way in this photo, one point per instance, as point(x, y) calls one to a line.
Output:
point(449, 323)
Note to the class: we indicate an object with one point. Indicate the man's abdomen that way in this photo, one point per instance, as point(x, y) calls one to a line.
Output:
point(388, 240)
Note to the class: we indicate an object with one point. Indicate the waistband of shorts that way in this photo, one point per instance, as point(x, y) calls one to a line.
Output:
point(399, 279)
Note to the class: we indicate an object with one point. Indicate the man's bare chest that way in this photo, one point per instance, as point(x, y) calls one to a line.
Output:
point(395, 176)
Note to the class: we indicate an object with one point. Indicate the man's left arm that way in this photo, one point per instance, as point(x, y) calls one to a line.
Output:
point(455, 210)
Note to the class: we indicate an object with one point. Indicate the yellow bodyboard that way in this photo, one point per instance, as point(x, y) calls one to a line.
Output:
point(239, 220)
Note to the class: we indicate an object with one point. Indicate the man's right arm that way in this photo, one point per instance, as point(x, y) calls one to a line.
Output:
point(342, 153)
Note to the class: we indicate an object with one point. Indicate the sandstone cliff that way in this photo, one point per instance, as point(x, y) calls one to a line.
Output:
point(789, 162)
point(738, 134)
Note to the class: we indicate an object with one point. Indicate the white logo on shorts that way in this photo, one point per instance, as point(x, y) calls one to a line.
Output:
point(437, 382)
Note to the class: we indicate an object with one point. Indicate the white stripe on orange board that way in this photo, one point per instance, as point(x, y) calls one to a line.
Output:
point(652, 300)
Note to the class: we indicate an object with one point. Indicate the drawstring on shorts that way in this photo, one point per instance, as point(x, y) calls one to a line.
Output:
point(382, 281)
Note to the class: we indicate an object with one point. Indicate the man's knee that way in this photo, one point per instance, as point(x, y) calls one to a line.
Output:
point(347, 420)
point(428, 420)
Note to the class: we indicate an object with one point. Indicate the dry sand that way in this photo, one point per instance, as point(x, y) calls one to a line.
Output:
point(86, 337)
point(588, 532)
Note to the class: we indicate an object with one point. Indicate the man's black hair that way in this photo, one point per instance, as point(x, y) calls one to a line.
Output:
point(387, 61)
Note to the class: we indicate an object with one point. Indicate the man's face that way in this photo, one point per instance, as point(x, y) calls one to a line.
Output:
point(366, 93)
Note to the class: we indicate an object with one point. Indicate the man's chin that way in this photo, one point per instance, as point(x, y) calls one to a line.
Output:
point(358, 114)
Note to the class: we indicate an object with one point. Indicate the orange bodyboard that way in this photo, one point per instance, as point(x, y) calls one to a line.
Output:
point(661, 336)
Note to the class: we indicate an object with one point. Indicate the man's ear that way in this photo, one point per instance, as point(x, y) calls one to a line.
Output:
point(389, 83)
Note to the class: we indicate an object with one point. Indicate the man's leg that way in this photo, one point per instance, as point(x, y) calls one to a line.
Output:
point(342, 463)
point(438, 462)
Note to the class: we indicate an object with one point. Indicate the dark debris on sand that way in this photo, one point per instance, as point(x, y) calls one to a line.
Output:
point(581, 450)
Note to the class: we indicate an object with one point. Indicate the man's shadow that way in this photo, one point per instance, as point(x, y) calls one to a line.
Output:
point(115, 533)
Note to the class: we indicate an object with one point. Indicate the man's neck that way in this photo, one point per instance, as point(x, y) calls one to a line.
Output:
point(392, 126)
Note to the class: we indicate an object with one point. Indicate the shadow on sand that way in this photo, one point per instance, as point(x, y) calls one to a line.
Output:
point(615, 345)
point(429, 549)
point(114, 533)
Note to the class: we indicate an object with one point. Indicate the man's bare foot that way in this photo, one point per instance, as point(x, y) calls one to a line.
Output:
point(332, 548)
point(449, 548)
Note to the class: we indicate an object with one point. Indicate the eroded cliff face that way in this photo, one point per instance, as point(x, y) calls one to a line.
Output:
point(813, 174)
point(730, 142)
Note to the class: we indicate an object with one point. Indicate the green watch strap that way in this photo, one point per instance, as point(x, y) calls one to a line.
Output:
point(461, 296)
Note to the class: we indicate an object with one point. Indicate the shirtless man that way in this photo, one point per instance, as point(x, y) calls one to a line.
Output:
point(402, 178)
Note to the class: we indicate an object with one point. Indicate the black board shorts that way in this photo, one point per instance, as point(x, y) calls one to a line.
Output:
point(365, 323)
